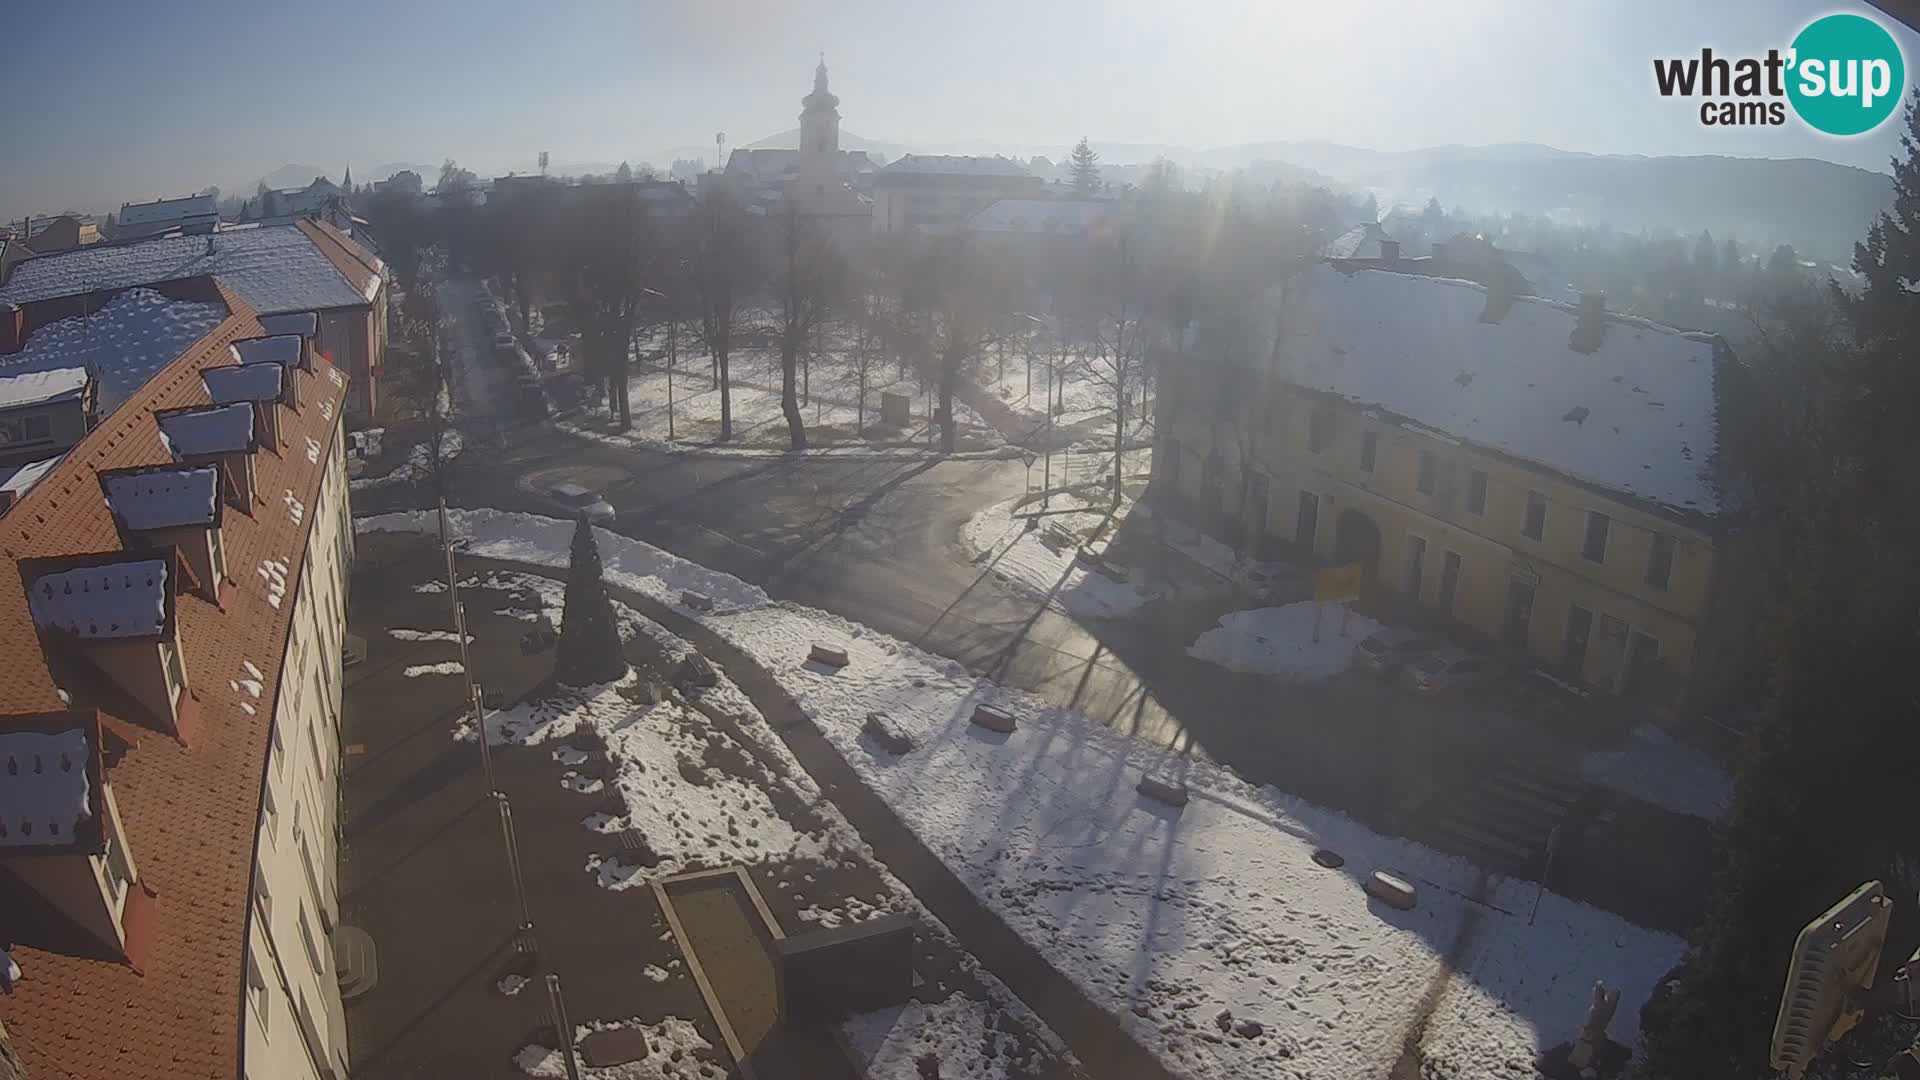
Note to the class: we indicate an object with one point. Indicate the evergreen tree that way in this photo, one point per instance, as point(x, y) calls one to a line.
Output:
point(623, 174)
point(1706, 257)
point(1084, 167)
point(589, 650)
point(1823, 799)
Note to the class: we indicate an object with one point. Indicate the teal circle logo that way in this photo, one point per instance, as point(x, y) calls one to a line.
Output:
point(1845, 75)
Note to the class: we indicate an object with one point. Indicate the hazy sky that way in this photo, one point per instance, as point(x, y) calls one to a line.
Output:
point(141, 101)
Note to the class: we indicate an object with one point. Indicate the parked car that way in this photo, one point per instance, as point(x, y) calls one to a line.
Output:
point(1451, 670)
point(1385, 653)
point(577, 499)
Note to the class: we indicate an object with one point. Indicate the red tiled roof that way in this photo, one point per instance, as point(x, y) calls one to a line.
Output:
point(190, 811)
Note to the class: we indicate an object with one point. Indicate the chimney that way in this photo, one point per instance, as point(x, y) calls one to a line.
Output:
point(13, 328)
point(1390, 251)
point(1439, 251)
point(1499, 297)
point(1590, 323)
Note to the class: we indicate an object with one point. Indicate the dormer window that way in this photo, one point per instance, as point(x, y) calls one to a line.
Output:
point(258, 385)
point(115, 613)
point(222, 434)
point(286, 351)
point(174, 506)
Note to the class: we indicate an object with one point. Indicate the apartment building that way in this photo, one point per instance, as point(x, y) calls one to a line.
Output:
point(1544, 475)
point(278, 269)
point(172, 619)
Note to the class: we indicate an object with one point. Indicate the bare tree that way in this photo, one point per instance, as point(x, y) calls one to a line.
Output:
point(862, 311)
point(606, 269)
point(1116, 356)
point(805, 294)
point(960, 323)
point(721, 264)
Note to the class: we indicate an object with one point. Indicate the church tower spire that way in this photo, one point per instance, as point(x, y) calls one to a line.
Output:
point(820, 116)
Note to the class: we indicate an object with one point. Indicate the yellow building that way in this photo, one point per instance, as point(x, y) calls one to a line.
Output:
point(1540, 474)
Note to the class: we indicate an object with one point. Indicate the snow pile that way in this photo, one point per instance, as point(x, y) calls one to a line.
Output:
point(1000, 541)
point(498, 534)
point(449, 667)
point(892, 1043)
point(401, 633)
point(1670, 774)
point(675, 1051)
point(1280, 641)
point(417, 467)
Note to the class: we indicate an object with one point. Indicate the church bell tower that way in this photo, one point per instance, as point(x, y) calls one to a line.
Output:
point(820, 117)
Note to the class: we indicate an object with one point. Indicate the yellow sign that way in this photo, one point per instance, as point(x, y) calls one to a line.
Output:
point(1337, 583)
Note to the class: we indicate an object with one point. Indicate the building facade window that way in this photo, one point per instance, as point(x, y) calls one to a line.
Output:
point(1594, 549)
point(16, 430)
point(1416, 564)
point(1477, 492)
point(1660, 560)
point(174, 671)
point(257, 990)
point(1369, 443)
point(1317, 424)
point(1516, 628)
point(1534, 525)
point(1429, 472)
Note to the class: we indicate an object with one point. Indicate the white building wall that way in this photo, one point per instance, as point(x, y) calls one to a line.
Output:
point(295, 1023)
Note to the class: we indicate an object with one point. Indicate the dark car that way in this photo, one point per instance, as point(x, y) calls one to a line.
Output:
point(1383, 654)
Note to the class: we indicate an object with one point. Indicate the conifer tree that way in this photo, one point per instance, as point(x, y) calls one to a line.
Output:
point(589, 650)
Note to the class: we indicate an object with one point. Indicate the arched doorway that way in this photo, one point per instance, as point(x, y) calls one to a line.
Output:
point(1356, 539)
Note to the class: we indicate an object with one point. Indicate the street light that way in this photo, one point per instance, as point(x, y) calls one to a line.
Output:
point(1046, 481)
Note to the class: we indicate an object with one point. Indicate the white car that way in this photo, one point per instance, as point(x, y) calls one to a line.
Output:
point(581, 500)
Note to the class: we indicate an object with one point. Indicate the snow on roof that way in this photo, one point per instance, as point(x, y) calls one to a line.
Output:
point(956, 165)
point(160, 210)
point(1637, 415)
point(216, 429)
point(275, 269)
point(41, 387)
point(1548, 280)
point(1039, 215)
point(304, 323)
point(44, 792)
point(136, 334)
point(282, 349)
point(243, 382)
point(120, 599)
point(163, 498)
point(23, 477)
point(1359, 242)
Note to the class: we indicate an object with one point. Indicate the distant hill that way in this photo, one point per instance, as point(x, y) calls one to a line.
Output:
point(293, 176)
point(1817, 206)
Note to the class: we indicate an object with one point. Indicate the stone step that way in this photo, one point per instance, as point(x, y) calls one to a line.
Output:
point(1527, 799)
point(1472, 836)
point(1560, 787)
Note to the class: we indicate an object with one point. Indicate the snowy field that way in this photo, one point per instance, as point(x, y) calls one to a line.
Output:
point(1655, 767)
point(1208, 931)
point(1042, 564)
point(1082, 397)
point(417, 467)
point(828, 406)
point(1300, 642)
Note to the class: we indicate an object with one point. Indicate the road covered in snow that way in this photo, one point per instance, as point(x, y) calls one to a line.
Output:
point(1208, 930)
